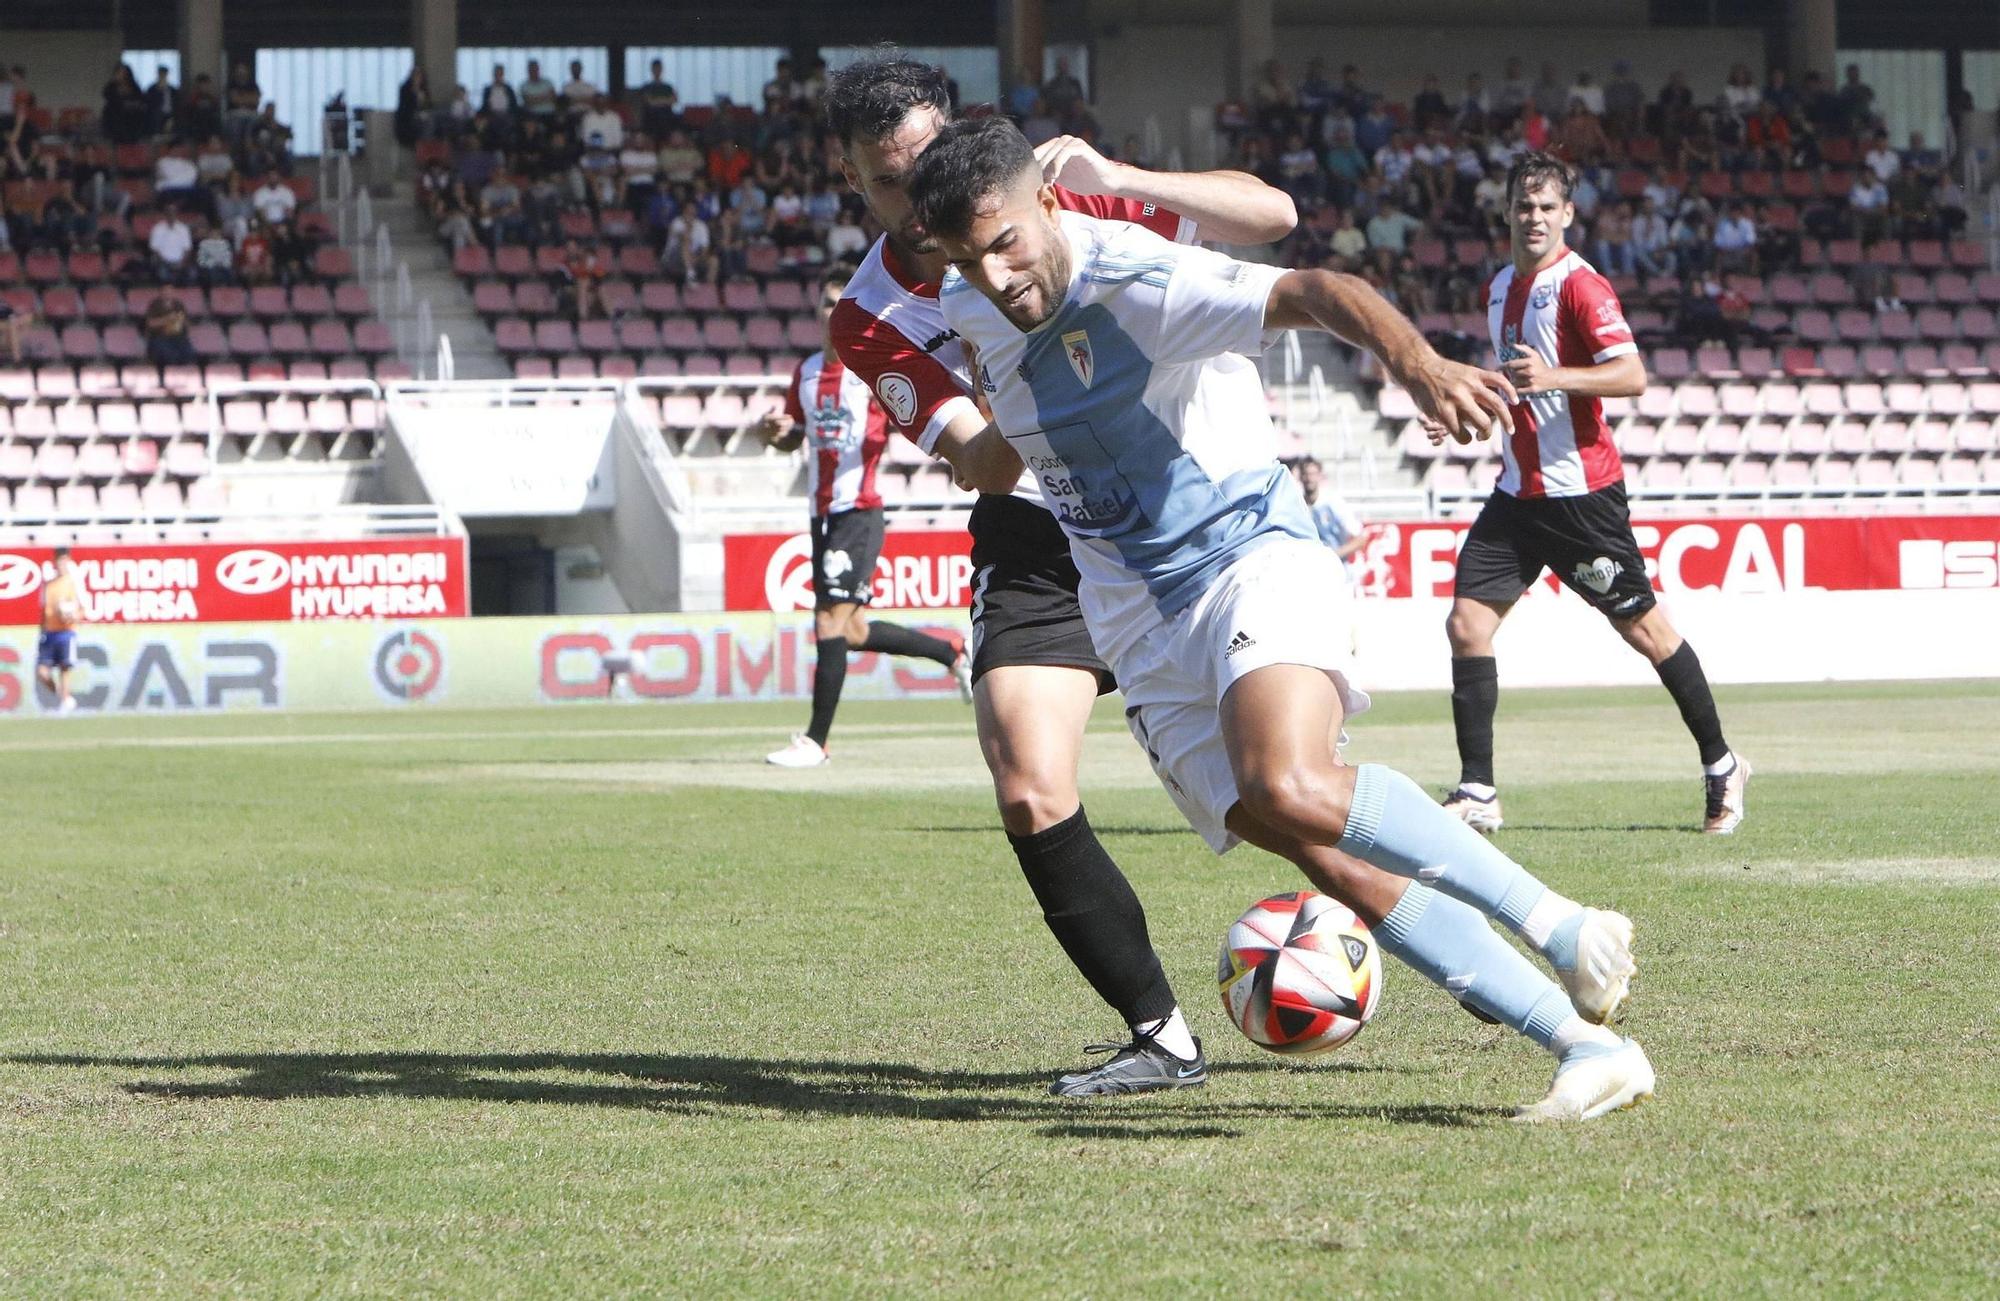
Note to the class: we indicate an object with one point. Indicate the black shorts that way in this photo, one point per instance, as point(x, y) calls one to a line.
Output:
point(1024, 608)
point(845, 547)
point(1586, 540)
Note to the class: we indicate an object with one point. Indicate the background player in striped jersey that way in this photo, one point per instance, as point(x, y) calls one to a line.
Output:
point(830, 410)
point(1560, 335)
point(1037, 675)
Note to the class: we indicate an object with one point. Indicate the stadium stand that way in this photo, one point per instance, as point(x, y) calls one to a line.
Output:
point(138, 365)
point(1769, 344)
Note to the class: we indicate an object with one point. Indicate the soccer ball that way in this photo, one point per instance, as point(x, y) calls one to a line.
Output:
point(1300, 973)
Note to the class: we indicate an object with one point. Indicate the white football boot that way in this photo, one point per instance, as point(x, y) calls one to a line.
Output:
point(1602, 978)
point(1480, 812)
point(1592, 1084)
point(1723, 796)
point(803, 752)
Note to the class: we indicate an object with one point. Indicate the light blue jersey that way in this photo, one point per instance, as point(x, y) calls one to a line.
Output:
point(1137, 408)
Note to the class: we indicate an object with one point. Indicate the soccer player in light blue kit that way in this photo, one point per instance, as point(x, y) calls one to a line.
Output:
point(1117, 370)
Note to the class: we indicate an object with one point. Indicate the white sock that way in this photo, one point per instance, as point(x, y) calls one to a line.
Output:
point(1549, 912)
point(1577, 1031)
point(1478, 790)
point(1171, 1034)
point(1727, 763)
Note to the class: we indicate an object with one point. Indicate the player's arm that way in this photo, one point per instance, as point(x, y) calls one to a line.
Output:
point(980, 458)
point(1232, 207)
point(1591, 320)
point(1620, 377)
point(1468, 402)
point(785, 428)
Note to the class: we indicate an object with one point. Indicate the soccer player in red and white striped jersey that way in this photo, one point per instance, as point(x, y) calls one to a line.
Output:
point(831, 411)
point(1037, 674)
point(1561, 337)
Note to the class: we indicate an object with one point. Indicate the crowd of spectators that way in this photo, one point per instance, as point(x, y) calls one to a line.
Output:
point(1672, 189)
point(174, 185)
point(705, 186)
point(1674, 192)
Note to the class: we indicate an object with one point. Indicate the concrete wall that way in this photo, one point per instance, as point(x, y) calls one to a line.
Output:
point(65, 69)
point(1174, 73)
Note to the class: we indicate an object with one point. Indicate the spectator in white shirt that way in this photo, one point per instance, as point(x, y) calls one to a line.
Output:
point(601, 128)
point(274, 200)
point(1736, 241)
point(176, 179)
point(689, 253)
point(171, 242)
point(578, 91)
point(1869, 202)
point(1589, 92)
point(846, 239)
point(1652, 242)
point(1883, 160)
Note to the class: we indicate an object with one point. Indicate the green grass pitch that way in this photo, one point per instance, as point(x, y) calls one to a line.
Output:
point(590, 1001)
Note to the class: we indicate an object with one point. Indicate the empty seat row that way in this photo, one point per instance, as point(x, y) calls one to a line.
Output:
point(163, 497)
point(107, 303)
point(746, 365)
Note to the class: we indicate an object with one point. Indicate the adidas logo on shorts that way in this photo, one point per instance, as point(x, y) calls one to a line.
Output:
point(1241, 641)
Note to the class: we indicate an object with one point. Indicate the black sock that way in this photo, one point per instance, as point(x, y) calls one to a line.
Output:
point(895, 639)
point(1475, 694)
point(829, 676)
point(1090, 907)
point(1681, 674)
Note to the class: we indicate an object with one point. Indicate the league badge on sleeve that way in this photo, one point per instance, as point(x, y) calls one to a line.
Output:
point(1076, 347)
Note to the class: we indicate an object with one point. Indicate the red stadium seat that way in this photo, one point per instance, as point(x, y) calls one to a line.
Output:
point(332, 262)
point(351, 301)
point(270, 302)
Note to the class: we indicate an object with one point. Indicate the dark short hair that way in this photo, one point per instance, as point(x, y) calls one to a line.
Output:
point(837, 277)
point(1534, 170)
point(968, 162)
point(869, 100)
point(62, 553)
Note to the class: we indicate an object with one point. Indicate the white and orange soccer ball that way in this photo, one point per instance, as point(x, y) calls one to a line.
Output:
point(1300, 973)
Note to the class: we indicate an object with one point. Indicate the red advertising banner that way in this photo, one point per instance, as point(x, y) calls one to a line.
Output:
point(933, 569)
point(1737, 556)
point(919, 569)
point(232, 582)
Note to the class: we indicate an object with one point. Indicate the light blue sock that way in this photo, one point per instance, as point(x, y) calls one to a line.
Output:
point(1393, 825)
point(1452, 946)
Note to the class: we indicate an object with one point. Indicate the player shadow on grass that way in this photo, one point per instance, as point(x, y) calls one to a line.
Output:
point(707, 1085)
point(1593, 828)
point(990, 828)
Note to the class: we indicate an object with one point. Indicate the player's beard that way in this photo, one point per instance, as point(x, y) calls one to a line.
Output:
point(1050, 278)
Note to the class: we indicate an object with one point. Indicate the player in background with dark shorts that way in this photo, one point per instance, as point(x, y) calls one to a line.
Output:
point(1037, 675)
point(1561, 337)
point(55, 649)
point(831, 410)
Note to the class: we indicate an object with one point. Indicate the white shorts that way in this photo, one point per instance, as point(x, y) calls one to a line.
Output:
point(1288, 602)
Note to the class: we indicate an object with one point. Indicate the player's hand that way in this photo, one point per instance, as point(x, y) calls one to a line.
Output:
point(1457, 401)
point(1075, 165)
point(1529, 371)
point(775, 427)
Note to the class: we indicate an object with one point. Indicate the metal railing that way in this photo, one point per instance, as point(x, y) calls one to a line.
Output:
point(273, 525)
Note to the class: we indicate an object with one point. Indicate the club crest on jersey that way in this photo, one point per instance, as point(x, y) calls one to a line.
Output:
point(1076, 347)
point(899, 395)
point(1599, 574)
point(832, 425)
point(1542, 296)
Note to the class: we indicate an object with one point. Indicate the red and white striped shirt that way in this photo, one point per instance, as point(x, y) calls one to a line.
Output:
point(1561, 446)
point(845, 434)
